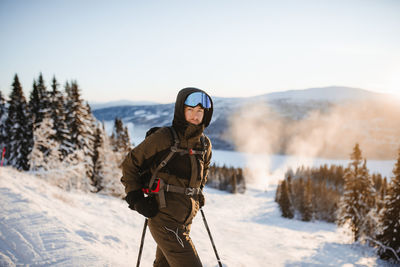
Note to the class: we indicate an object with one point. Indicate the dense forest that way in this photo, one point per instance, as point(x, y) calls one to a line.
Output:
point(366, 203)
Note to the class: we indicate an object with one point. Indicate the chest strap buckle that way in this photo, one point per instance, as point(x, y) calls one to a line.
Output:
point(189, 191)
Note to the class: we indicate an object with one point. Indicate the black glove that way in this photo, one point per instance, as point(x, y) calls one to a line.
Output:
point(133, 197)
point(147, 206)
point(202, 200)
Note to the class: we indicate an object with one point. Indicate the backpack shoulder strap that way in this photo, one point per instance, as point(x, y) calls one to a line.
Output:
point(174, 136)
point(174, 148)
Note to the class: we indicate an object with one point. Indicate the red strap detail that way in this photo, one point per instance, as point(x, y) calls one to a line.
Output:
point(147, 190)
point(157, 188)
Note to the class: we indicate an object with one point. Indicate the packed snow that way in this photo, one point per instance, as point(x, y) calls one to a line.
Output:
point(42, 225)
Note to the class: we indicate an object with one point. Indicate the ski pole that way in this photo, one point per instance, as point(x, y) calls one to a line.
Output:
point(142, 242)
point(212, 240)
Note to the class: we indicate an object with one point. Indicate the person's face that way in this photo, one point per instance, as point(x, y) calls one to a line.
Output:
point(194, 115)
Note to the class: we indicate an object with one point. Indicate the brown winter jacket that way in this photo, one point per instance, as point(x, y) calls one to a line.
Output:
point(182, 170)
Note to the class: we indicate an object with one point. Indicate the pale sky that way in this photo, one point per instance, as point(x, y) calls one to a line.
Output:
point(148, 50)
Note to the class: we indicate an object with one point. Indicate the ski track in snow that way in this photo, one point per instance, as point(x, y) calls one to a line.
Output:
point(41, 225)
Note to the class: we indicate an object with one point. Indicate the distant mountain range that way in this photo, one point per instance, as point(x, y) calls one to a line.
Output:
point(100, 105)
point(292, 107)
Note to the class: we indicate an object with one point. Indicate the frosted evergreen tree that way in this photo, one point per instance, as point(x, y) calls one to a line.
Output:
point(44, 95)
point(90, 125)
point(98, 160)
point(38, 101)
point(368, 207)
point(120, 137)
point(106, 169)
point(3, 116)
point(68, 173)
point(58, 115)
point(126, 141)
point(358, 198)
point(81, 125)
point(120, 140)
point(34, 103)
point(382, 194)
point(66, 144)
point(307, 212)
point(297, 197)
point(79, 119)
point(18, 128)
point(284, 201)
point(72, 119)
point(45, 154)
point(390, 220)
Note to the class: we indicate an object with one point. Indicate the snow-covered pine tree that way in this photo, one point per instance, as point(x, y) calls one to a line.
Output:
point(120, 139)
point(98, 159)
point(38, 101)
point(34, 103)
point(18, 128)
point(297, 197)
point(233, 182)
point(68, 173)
point(359, 196)
point(241, 183)
point(66, 144)
point(284, 201)
point(126, 141)
point(88, 135)
point(81, 124)
point(44, 94)
point(79, 119)
point(289, 184)
point(107, 173)
point(382, 194)
point(368, 207)
point(45, 154)
point(390, 218)
point(57, 113)
point(3, 116)
point(307, 213)
point(73, 105)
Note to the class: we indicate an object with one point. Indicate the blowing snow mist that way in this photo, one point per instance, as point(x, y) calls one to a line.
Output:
point(259, 131)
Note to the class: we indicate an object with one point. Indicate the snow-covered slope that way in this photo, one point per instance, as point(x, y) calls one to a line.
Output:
point(41, 225)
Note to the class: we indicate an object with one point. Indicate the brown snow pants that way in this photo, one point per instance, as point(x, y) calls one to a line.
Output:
point(174, 246)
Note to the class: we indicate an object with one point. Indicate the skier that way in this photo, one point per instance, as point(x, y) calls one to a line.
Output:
point(178, 197)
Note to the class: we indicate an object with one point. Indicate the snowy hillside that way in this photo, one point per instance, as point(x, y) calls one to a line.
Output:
point(42, 225)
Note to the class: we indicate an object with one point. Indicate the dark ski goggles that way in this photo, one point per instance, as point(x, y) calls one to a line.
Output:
point(198, 98)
